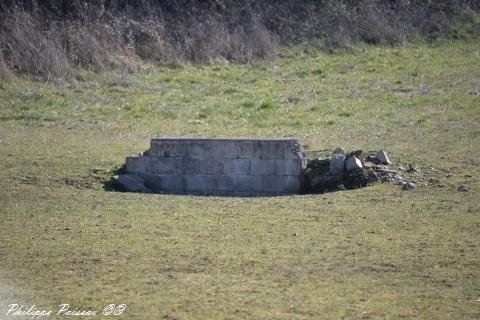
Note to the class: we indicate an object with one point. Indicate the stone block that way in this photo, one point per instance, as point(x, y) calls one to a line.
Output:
point(197, 182)
point(273, 149)
point(288, 167)
point(262, 167)
point(337, 165)
point(294, 184)
point(248, 149)
point(131, 182)
point(382, 157)
point(162, 165)
point(201, 150)
point(168, 148)
point(275, 183)
point(244, 183)
point(224, 149)
point(231, 166)
point(193, 166)
point(353, 163)
point(172, 182)
point(236, 166)
point(137, 164)
point(257, 183)
point(222, 182)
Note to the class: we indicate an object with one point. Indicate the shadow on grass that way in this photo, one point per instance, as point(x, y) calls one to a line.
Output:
point(109, 183)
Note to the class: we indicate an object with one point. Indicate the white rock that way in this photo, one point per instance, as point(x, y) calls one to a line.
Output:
point(353, 163)
point(131, 183)
point(382, 156)
point(340, 150)
point(337, 165)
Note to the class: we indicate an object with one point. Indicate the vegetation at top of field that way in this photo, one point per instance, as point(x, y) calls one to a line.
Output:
point(54, 39)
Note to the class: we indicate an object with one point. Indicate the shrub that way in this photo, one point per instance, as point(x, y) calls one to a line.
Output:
point(51, 38)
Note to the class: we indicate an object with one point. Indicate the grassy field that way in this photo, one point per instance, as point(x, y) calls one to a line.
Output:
point(372, 253)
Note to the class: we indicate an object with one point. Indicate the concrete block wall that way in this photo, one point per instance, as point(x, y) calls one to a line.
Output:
point(220, 166)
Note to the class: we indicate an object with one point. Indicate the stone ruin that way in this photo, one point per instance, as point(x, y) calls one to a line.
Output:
point(237, 167)
point(250, 167)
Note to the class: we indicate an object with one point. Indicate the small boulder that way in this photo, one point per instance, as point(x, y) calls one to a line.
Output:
point(353, 163)
point(130, 183)
point(382, 157)
point(337, 165)
point(340, 150)
point(409, 186)
point(463, 188)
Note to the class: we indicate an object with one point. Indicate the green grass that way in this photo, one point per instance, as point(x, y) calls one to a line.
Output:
point(372, 253)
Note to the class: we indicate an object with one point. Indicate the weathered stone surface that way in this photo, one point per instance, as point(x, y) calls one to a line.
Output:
point(167, 148)
point(262, 167)
point(137, 164)
point(197, 182)
point(225, 149)
point(160, 165)
point(244, 183)
point(130, 182)
point(248, 149)
point(198, 150)
point(273, 149)
point(337, 165)
point(221, 182)
point(340, 150)
point(382, 157)
point(193, 166)
point(257, 184)
point(237, 166)
point(221, 166)
point(293, 184)
point(272, 183)
point(353, 163)
point(288, 167)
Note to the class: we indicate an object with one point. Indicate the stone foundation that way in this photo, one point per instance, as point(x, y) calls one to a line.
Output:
point(243, 167)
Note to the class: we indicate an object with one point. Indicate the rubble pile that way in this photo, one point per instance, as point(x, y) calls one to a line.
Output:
point(350, 170)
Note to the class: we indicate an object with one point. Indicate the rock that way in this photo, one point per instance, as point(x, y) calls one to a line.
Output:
point(353, 163)
point(463, 188)
point(131, 183)
point(340, 150)
point(409, 186)
point(337, 165)
point(382, 156)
